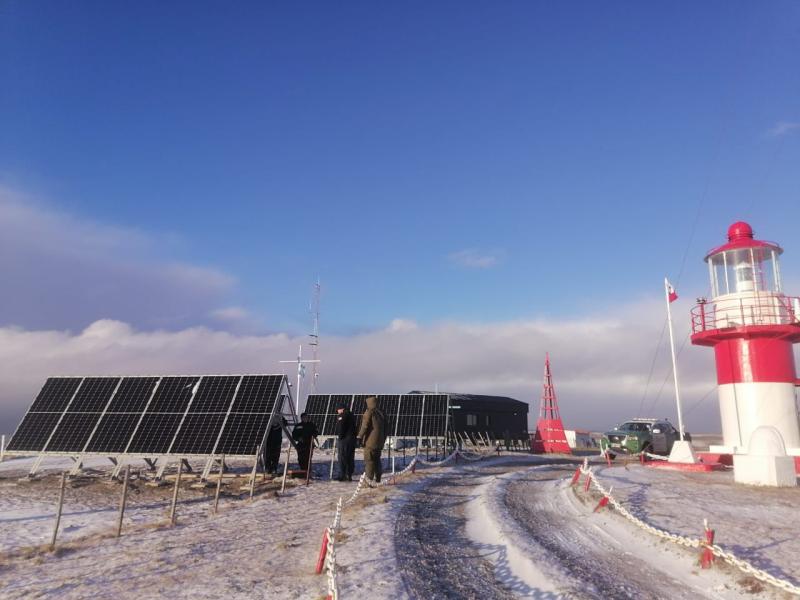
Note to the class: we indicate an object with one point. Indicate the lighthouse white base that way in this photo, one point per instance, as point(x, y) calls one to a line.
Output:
point(682, 452)
point(744, 407)
point(774, 471)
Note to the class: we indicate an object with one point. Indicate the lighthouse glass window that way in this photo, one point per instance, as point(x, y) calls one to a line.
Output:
point(743, 271)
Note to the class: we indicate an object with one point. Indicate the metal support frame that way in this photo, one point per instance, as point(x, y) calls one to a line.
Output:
point(123, 500)
point(173, 512)
point(421, 421)
point(60, 508)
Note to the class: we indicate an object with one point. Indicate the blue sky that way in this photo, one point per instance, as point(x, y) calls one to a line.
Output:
point(435, 162)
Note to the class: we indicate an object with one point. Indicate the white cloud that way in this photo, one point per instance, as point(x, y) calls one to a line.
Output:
point(783, 128)
point(230, 313)
point(66, 272)
point(474, 259)
point(400, 325)
point(600, 365)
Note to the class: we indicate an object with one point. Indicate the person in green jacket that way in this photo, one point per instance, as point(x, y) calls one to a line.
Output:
point(372, 436)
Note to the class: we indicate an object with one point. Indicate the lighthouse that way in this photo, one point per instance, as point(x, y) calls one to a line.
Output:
point(752, 325)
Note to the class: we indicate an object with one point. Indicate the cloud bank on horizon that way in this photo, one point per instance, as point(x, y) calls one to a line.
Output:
point(601, 365)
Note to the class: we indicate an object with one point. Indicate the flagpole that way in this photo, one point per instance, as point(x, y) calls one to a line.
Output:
point(674, 362)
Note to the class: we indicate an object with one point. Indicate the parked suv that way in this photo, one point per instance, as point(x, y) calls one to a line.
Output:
point(641, 435)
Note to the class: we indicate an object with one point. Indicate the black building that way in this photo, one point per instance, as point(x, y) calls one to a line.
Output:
point(497, 415)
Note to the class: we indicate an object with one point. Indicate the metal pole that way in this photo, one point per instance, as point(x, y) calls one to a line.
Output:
point(674, 362)
point(124, 499)
point(253, 476)
point(286, 466)
point(172, 514)
point(219, 484)
point(60, 506)
point(310, 460)
point(333, 455)
point(2, 447)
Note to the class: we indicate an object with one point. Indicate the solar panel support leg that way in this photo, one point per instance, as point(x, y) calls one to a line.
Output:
point(115, 471)
point(217, 491)
point(333, 456)
point(187, 465)
point(162, 468)
point(286, 465)
point(207, 468)
point(151, 463)
point(2, 447)
point(60, 508)
point(253, 475)
point(124, 499)
point(76, 468)
point(35, 467)
point(172, 512)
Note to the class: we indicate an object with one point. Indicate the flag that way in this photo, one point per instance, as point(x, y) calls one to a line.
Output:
point(672, 295)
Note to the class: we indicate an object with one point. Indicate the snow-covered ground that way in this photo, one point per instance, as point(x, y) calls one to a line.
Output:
point(503, 527)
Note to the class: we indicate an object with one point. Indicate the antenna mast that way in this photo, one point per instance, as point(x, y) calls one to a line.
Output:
point(314, 335)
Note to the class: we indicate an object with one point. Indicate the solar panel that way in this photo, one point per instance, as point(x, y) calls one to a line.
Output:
point(181, 415)
point(56, 394)
point(34, 431)
point(132, 395)
point(113, 433)
point(243, 433)
point(317, 406)
point(409, 415)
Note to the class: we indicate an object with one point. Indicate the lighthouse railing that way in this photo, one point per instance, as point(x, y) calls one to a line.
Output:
point(740, 310)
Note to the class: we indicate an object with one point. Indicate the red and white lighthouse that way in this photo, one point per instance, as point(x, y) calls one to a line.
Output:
point(751, 324)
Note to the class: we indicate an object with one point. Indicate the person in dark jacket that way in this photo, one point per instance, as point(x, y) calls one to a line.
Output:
point(346, 432)
point(272, 448)
point(372, 435)
point(304, 435)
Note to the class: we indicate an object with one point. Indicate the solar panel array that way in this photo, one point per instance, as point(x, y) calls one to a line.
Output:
point(408, 415)
point(184, 415)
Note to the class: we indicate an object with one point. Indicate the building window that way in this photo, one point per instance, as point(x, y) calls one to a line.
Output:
point(472, 420)
point(488, 421)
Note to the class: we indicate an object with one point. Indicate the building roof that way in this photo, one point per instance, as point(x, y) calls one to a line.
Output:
point(473, 400)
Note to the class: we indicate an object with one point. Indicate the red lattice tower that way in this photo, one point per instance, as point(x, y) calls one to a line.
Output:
point(549, 436)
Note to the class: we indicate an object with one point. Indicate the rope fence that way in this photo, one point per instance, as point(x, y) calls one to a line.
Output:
point(707, 545)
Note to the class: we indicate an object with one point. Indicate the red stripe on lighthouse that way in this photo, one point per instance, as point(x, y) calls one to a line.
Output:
point(758, 360)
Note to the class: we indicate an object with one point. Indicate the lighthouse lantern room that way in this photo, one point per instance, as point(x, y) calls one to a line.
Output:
point(752, 325)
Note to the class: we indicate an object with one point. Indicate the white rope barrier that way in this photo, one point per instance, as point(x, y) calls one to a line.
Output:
point(688, 542)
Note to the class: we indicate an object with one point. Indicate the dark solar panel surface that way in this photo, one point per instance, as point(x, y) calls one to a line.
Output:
point(409, 415)
point(133, 394)
point(243, 433)
point(113, 432)
point(56, 394)
point(93, 395)
point(73, 432)
point(198, 434)
point(155, 433)
point(257, 394)
point(214, 394)
point(34, 431)
point(173, 395)
point(150, 415)
point(317, 410)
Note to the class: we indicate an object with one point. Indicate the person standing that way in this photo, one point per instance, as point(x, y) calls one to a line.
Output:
point(346, 432)
point(304, 435)
point(372, 436)
point(272, 447)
